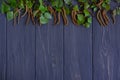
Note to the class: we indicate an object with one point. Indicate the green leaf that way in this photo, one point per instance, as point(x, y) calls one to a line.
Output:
point(67, 10)
point(107, 1)
point(4, 8)
point(42, 8)
point(54, 3)
point(86, 5)
point(43, 20)
point(48, 15)
point(60, 4)
point(67, 2)
point(41, 2)
point(10, 15)
point(93, 6)
point(76, 8)
point(13, 3)
point(86, 12)
point(87, 25)
point(29, 4)
point(81, 0)
point(106, 6)
point(57, 3)
point(117, 11)
point(95, 9)
point(81, 18)
point(89, 20)
point(58, 9)
point(21, 4)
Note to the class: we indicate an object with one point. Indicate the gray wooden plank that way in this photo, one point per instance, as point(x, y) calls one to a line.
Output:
point(106, 51)
point(77, 52)
point(2, 47)
point(20, 51)
point(49, 52)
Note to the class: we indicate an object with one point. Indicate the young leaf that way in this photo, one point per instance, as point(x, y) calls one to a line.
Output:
point(67, 10)
point(42, 8)
point(76, 8)
point(48, 15)
point(89, 20)
point(41, 2)
point(86, 5)
point(4, 8)
point(81, 18)
point(29, 4)
point(10, 15)
point(87, 25)
point(68, 2)
point(86, 12)
point(12, 3)
point(43, 20)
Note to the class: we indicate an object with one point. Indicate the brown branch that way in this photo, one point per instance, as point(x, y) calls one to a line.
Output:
point(53, 12)
point(32, 16)
point(64, 16)
point(73, 16)
point(105, 17)
point(99, 19)
point(19, 16)
point(28, 18)
point(16, 11)
point(58, 17)
point(26, 10)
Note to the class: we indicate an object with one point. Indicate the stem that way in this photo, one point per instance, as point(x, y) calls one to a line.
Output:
point(73, 16)
point(26, 10)
point(98, 18)
point(58, 16)
point(105, 17)
point(64, 16)
point(19, 15)
point(41, 2)
point(28, 18)
point(32, 16)
point(16, 11)
point(52, 11)
point(101, 18)
point(14, 19)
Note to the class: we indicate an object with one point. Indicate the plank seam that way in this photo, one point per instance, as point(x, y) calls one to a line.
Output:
point(6, 51)
point(92, 53)
point(35, 54)
point(63, 53)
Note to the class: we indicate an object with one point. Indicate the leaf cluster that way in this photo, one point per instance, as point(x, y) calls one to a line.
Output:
point(81, 12)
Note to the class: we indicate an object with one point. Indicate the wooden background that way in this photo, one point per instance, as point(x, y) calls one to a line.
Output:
point(59, 52)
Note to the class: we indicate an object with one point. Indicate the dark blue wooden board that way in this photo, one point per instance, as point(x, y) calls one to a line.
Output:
point(106, 50)
point(20, 51)
point(2, 47)
point(59, 52)
point(77, 52)
point(106, 55)
point(49, 52)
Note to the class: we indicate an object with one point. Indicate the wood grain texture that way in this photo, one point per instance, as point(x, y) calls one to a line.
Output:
point(59, 52)
point(77, 52)
point(20, 51)
point(106, 51)
point(2, 47)
point(49, 52)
